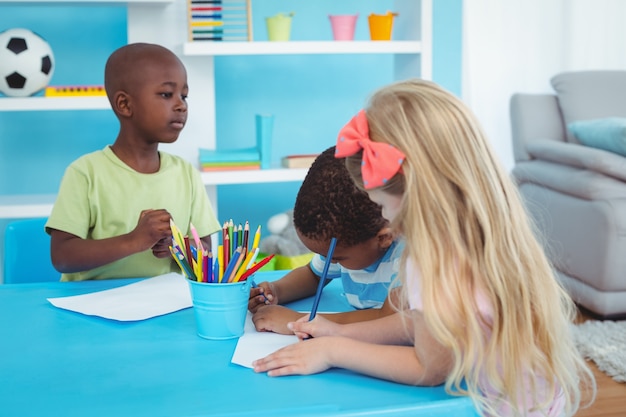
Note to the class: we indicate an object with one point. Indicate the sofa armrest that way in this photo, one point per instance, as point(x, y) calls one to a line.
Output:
point(566, 179)
point(534, 117)
point(580, 156)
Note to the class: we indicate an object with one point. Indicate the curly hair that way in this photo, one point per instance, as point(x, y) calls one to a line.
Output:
point(328, 204)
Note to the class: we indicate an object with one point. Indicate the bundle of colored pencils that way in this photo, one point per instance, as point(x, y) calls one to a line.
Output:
point(234, 262)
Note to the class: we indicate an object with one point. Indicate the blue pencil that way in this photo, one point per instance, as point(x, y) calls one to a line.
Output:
point(231, 264)
point(320, 285)
point(253, 285)
point(216, 270)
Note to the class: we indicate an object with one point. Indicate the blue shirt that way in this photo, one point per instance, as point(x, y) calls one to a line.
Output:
point(368, 287)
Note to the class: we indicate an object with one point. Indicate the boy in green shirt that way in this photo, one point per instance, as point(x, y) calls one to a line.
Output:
point(112, 215)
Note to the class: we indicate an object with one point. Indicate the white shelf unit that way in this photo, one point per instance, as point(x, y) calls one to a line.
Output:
point(301, 47)
point(253, 176)
point(165, 22)
point(53, 103)
point(26, 206)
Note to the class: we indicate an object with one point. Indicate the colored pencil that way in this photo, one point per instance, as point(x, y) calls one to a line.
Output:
point(320, 285)
point(254, 285)
point(246, 235)
point(231, 265)
point(233, 273)
point(255, 253)
point(256, 267)
point(257, 237)
point(220, 263)
point(244, 265)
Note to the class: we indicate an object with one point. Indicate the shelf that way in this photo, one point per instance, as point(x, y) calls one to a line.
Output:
point(26, 206)
point(87, 2)
point(53, 103)
point(253, 176)
point(301, 47)
point(40, 205)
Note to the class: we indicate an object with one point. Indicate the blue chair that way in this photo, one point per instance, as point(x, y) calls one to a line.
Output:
point(27, 253)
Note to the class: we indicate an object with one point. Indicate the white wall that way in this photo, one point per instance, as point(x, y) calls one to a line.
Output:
point(518, 45)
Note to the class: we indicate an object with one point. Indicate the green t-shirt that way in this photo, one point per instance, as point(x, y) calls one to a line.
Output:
point(101, 197)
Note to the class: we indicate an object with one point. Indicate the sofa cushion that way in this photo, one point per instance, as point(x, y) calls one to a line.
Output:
point(608, 134)
point(586, 95)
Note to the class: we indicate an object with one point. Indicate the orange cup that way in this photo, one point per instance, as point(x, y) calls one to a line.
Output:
point(380, 26)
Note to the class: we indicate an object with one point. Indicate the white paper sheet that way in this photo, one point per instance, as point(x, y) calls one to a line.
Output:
point(138, 301)
point(253, 345)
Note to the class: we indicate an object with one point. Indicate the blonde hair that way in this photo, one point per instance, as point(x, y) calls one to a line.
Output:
point(467, 230)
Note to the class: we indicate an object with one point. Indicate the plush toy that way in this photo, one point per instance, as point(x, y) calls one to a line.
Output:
point(283, 239)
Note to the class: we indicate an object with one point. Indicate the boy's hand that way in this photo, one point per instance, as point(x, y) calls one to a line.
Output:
point(274, 319)
point(153, 226)
point(263, 295)
point(161, 249)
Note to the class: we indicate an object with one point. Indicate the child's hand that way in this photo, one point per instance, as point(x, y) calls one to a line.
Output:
point(161, 249)
point(263, 295)
point(152, 227)
point(274, 319)
point(302, 358)
point(319, 326)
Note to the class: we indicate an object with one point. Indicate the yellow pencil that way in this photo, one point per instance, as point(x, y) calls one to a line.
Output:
point(255, 253)
point(182, 270)
point(220, 257)
point(177, 235)
point(243, 267)
point(257, 237)
point(199, 265)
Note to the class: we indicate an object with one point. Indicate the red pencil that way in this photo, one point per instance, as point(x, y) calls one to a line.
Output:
point(256, 267)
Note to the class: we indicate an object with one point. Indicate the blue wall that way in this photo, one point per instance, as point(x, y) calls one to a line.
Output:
point(310, 96)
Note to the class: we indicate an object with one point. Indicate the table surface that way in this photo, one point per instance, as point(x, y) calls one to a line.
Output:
point(55, 362)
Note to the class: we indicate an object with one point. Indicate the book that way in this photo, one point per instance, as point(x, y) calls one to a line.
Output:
point(235, 155)
point(298, 161)
point(230, 164)
point(230, 168)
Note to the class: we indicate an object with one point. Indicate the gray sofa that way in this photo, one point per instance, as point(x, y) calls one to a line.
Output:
point(575, 189)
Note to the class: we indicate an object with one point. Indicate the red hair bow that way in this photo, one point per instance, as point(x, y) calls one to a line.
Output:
point(381, 161)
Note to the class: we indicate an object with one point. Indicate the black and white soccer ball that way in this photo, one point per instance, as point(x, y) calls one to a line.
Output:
point(26, 63)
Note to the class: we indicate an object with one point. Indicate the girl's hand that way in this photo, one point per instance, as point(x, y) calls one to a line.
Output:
point(319, 326)
point(274, 319)
point(302, 358)
point(261, 296)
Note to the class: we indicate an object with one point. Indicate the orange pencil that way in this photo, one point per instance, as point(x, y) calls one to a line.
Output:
point(231, 278)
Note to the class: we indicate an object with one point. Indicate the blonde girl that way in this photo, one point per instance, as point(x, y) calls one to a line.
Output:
point(486, 314)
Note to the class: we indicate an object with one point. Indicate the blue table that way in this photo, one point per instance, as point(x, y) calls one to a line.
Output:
point(55, 362)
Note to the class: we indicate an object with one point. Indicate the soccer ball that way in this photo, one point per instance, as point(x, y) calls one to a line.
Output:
point(26, 63)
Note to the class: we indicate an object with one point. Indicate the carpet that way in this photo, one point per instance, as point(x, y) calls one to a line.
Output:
point(604, 342)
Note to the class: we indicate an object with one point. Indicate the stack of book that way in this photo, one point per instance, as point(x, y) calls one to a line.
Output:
point(239, 159)
point(298, 160)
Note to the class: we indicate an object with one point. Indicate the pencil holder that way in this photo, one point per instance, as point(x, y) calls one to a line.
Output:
point(220, 309)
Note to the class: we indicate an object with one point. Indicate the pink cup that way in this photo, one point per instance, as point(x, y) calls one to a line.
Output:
point(343, 26)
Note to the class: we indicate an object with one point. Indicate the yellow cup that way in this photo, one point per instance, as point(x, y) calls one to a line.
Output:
point(380, 26)
point(279, 27)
